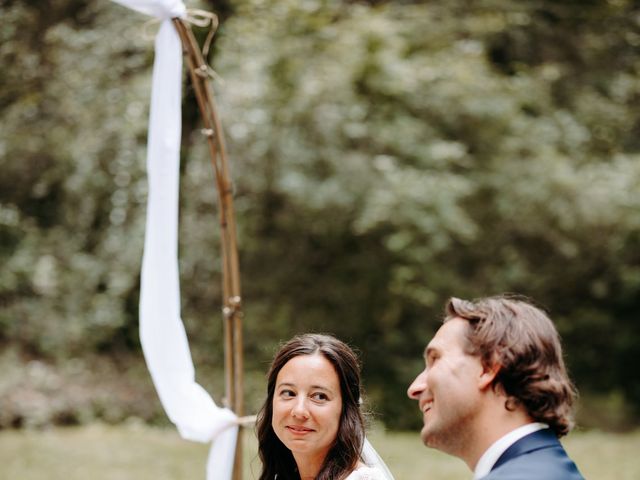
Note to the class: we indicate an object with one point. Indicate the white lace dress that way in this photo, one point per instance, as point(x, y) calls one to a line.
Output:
point(366, 473)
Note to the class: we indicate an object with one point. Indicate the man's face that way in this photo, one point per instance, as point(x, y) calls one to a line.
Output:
point(448, 390)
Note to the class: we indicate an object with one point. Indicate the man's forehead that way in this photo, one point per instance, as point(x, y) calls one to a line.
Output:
point(450, 334)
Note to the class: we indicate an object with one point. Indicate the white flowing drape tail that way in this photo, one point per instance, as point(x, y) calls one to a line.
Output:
point(162, 335)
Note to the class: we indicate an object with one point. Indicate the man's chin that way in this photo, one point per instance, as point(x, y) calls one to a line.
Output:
point(425, 435)
point(429, 437)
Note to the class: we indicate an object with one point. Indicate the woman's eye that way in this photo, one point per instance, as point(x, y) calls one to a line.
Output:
point(287, 393)
point(320, 396)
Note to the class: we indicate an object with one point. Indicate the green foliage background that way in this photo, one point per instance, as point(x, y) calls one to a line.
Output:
point(386, 154)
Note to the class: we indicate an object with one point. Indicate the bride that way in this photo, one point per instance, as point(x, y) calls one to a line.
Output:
point(311, 425)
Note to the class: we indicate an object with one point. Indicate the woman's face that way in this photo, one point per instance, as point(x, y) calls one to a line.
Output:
point(307, 404)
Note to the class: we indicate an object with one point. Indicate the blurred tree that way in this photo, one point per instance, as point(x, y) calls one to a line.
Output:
point(73, 110)
point(400, 154)
point(387, 155)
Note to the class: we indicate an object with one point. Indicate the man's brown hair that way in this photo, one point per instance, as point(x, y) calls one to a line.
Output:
point(522, 340)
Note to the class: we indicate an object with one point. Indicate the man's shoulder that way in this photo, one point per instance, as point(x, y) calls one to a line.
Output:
point(550, 463)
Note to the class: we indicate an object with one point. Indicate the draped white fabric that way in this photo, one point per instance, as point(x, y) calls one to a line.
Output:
point(162, 9)
point(162, 335)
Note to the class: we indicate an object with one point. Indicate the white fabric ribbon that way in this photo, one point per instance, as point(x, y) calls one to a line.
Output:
point(162, 9)
point(162, 335)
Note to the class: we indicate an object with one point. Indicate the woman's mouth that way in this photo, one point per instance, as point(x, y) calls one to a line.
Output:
point(298, 429)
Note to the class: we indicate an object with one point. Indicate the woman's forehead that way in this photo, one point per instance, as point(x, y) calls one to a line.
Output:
point(308, 367)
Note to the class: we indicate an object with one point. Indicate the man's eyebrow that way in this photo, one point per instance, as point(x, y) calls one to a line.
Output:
point(428, 350)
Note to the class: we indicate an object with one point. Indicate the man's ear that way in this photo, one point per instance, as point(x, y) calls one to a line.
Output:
point(488, 375)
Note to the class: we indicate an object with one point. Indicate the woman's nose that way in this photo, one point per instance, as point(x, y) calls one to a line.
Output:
point(300, 408)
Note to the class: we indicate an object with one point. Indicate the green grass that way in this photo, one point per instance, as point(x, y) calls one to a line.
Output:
point(137, 452)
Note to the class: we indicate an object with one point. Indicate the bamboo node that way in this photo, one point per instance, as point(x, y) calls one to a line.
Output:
point(202, 71)
point(205, 71)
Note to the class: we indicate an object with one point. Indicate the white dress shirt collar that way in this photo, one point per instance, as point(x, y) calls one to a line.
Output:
point(492, 454)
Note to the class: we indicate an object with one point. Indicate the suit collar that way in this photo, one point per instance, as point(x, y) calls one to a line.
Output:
point(534, 441)
point(486, 462)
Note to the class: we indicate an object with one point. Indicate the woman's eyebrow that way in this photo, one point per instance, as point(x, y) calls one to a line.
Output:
point(320, 387)
point(285, 384)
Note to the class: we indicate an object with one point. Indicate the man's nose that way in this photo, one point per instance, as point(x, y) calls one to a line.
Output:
point(418, 385)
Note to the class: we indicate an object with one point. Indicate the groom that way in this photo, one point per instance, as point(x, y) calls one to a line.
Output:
point(495, 391)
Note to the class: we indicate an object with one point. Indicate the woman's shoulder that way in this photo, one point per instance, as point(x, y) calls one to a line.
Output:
point(366, 473)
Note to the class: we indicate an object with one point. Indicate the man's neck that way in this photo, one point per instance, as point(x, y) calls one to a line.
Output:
point(494, 427)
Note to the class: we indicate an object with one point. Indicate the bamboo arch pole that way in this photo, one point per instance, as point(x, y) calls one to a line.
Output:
point(232, 306)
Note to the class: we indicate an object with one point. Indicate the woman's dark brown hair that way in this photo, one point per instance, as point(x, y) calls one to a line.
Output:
point(277, 459)
point(521, 338)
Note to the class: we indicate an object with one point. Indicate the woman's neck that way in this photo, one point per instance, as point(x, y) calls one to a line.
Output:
point(308, 466)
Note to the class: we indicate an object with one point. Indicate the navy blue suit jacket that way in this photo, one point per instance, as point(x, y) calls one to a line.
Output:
point(537, 456)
